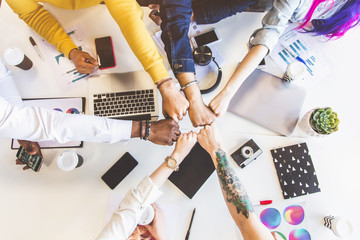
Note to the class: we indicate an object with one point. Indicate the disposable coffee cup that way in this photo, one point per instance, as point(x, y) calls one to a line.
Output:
point(148, 215)
point(16, 57)
point(69, 160)
point(294, 71)
point(342, 227)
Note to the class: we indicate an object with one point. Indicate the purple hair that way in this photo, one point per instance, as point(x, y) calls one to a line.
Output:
point(345, 18)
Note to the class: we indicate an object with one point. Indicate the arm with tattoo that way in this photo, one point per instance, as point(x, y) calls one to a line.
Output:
point(237, 199)
point(234, 191)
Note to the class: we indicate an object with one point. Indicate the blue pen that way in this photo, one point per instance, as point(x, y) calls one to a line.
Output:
point(296, 57)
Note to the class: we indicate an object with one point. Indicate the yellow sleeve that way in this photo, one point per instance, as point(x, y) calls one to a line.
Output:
point(36, 17)
point(128, 15)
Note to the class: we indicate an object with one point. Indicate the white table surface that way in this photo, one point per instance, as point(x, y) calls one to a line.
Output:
point(60, 205)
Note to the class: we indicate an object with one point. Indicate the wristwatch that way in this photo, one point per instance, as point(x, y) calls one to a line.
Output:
point(172, 163)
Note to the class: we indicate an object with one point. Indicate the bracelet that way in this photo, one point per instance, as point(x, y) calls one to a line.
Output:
point(147, 130)
point(189, 84)
point(141, 122)
point(166, 80)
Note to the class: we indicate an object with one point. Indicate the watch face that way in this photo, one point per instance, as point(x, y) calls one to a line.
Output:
point(172, 163)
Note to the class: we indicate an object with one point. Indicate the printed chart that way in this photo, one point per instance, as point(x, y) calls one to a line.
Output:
point(64, 70)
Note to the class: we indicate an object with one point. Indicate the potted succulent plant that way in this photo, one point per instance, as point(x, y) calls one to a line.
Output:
point(320, 122)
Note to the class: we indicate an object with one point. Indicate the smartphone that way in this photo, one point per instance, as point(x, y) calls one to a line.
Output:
point(32, 161)
point(205, 38)
point(145, 3)
point(119, 170)
point(105, 52)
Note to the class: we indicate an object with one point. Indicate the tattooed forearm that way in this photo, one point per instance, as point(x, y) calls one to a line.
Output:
point(231, 185)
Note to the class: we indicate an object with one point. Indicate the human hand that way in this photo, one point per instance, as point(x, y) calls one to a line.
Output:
point(183, 146)
point(83, 62)
point(220, 103)
point(164, 132)
point(200, 114)
point(174, 102)
point(157, 227)
point(209, 138)
point(31, 148)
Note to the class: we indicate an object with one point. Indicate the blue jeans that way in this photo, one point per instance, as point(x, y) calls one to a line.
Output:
point(176, 14)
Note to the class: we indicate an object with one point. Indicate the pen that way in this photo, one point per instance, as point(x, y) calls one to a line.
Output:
point(296, 57)
point(188, 231)
point(36, 47)
point(264, 202)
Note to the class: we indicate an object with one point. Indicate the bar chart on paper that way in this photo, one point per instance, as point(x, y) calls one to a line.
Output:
point(294, 46)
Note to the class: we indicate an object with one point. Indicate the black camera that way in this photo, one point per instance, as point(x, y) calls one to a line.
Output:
point(246, 153)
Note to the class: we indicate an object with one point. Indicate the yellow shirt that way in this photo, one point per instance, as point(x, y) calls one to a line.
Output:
point(127, 14)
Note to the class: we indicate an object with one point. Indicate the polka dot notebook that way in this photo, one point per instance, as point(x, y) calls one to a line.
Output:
point(295, 170)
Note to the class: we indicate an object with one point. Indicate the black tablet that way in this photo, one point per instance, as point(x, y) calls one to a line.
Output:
point(193, 172)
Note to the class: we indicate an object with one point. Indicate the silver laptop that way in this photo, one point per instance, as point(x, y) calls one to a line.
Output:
point(269, 101)
point(128, 96)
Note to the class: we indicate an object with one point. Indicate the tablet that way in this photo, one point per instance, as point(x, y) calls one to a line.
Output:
point(193, 172)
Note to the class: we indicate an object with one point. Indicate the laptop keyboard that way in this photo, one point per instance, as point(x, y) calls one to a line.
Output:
point(124, 103)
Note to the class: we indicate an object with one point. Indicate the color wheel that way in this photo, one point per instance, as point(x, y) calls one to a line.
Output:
point(270, 217)
point(73, 111)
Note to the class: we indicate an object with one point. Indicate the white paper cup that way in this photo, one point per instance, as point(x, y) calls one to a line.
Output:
point(16, 57)
point(147, 217)
point(294, 71)
point(342, 227)
point(69, 160)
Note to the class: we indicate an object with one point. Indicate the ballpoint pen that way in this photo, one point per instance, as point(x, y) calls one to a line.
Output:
point(188, 231)
point(33, 43)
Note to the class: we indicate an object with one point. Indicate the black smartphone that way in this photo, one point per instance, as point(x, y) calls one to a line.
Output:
point(205, 38)
point(105, 52)
point(119, 170)
point(32, 161)
point(145, 3)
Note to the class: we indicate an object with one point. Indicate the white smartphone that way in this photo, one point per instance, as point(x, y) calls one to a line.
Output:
point(205, 38)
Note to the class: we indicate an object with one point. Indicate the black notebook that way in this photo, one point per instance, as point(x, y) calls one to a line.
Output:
point(193, 172)
point(295, 170)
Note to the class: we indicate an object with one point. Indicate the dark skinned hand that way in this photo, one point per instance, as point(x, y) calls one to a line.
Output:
point(164, 132)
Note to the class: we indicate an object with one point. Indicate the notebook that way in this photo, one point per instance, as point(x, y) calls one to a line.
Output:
point(127, 96)
point(269, 101)
point(295, 170)
point(193, 172)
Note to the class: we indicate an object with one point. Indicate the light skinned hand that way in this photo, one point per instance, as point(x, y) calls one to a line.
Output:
point(157, 227)
point(31, 148)
point(174, 102)
point(83, 62)
point(164, 132)
point(209, 138)
point(200, 114)
point(183, 146)
point(220, 103)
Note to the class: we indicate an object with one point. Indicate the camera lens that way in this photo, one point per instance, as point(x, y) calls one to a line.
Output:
point(247, 151)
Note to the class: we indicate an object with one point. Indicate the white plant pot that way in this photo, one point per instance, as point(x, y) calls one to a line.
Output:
point(306, 127)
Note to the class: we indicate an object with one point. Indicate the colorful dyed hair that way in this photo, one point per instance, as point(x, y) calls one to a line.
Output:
point(345, 18)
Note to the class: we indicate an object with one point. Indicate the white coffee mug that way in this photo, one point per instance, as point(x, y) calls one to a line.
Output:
point(295, 70)
point(16, 57)
point(147, 216)
point(341, 226)
point(69, 160)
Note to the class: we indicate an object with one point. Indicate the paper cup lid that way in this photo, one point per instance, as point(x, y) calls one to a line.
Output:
point(67, 160)
point(147, 217)
point(296, 69)
point(342, 227)
point(13, 56)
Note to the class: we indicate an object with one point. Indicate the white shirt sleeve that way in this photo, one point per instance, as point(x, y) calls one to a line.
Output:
point(125, 219)
point(41, 124)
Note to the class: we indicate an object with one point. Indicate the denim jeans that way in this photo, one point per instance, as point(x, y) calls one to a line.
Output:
point(176, 14)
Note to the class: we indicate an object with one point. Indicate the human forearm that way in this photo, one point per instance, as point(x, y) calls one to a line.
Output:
point(237, 199)
point(39, 19)
point(128, 15)
point(245, 68)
